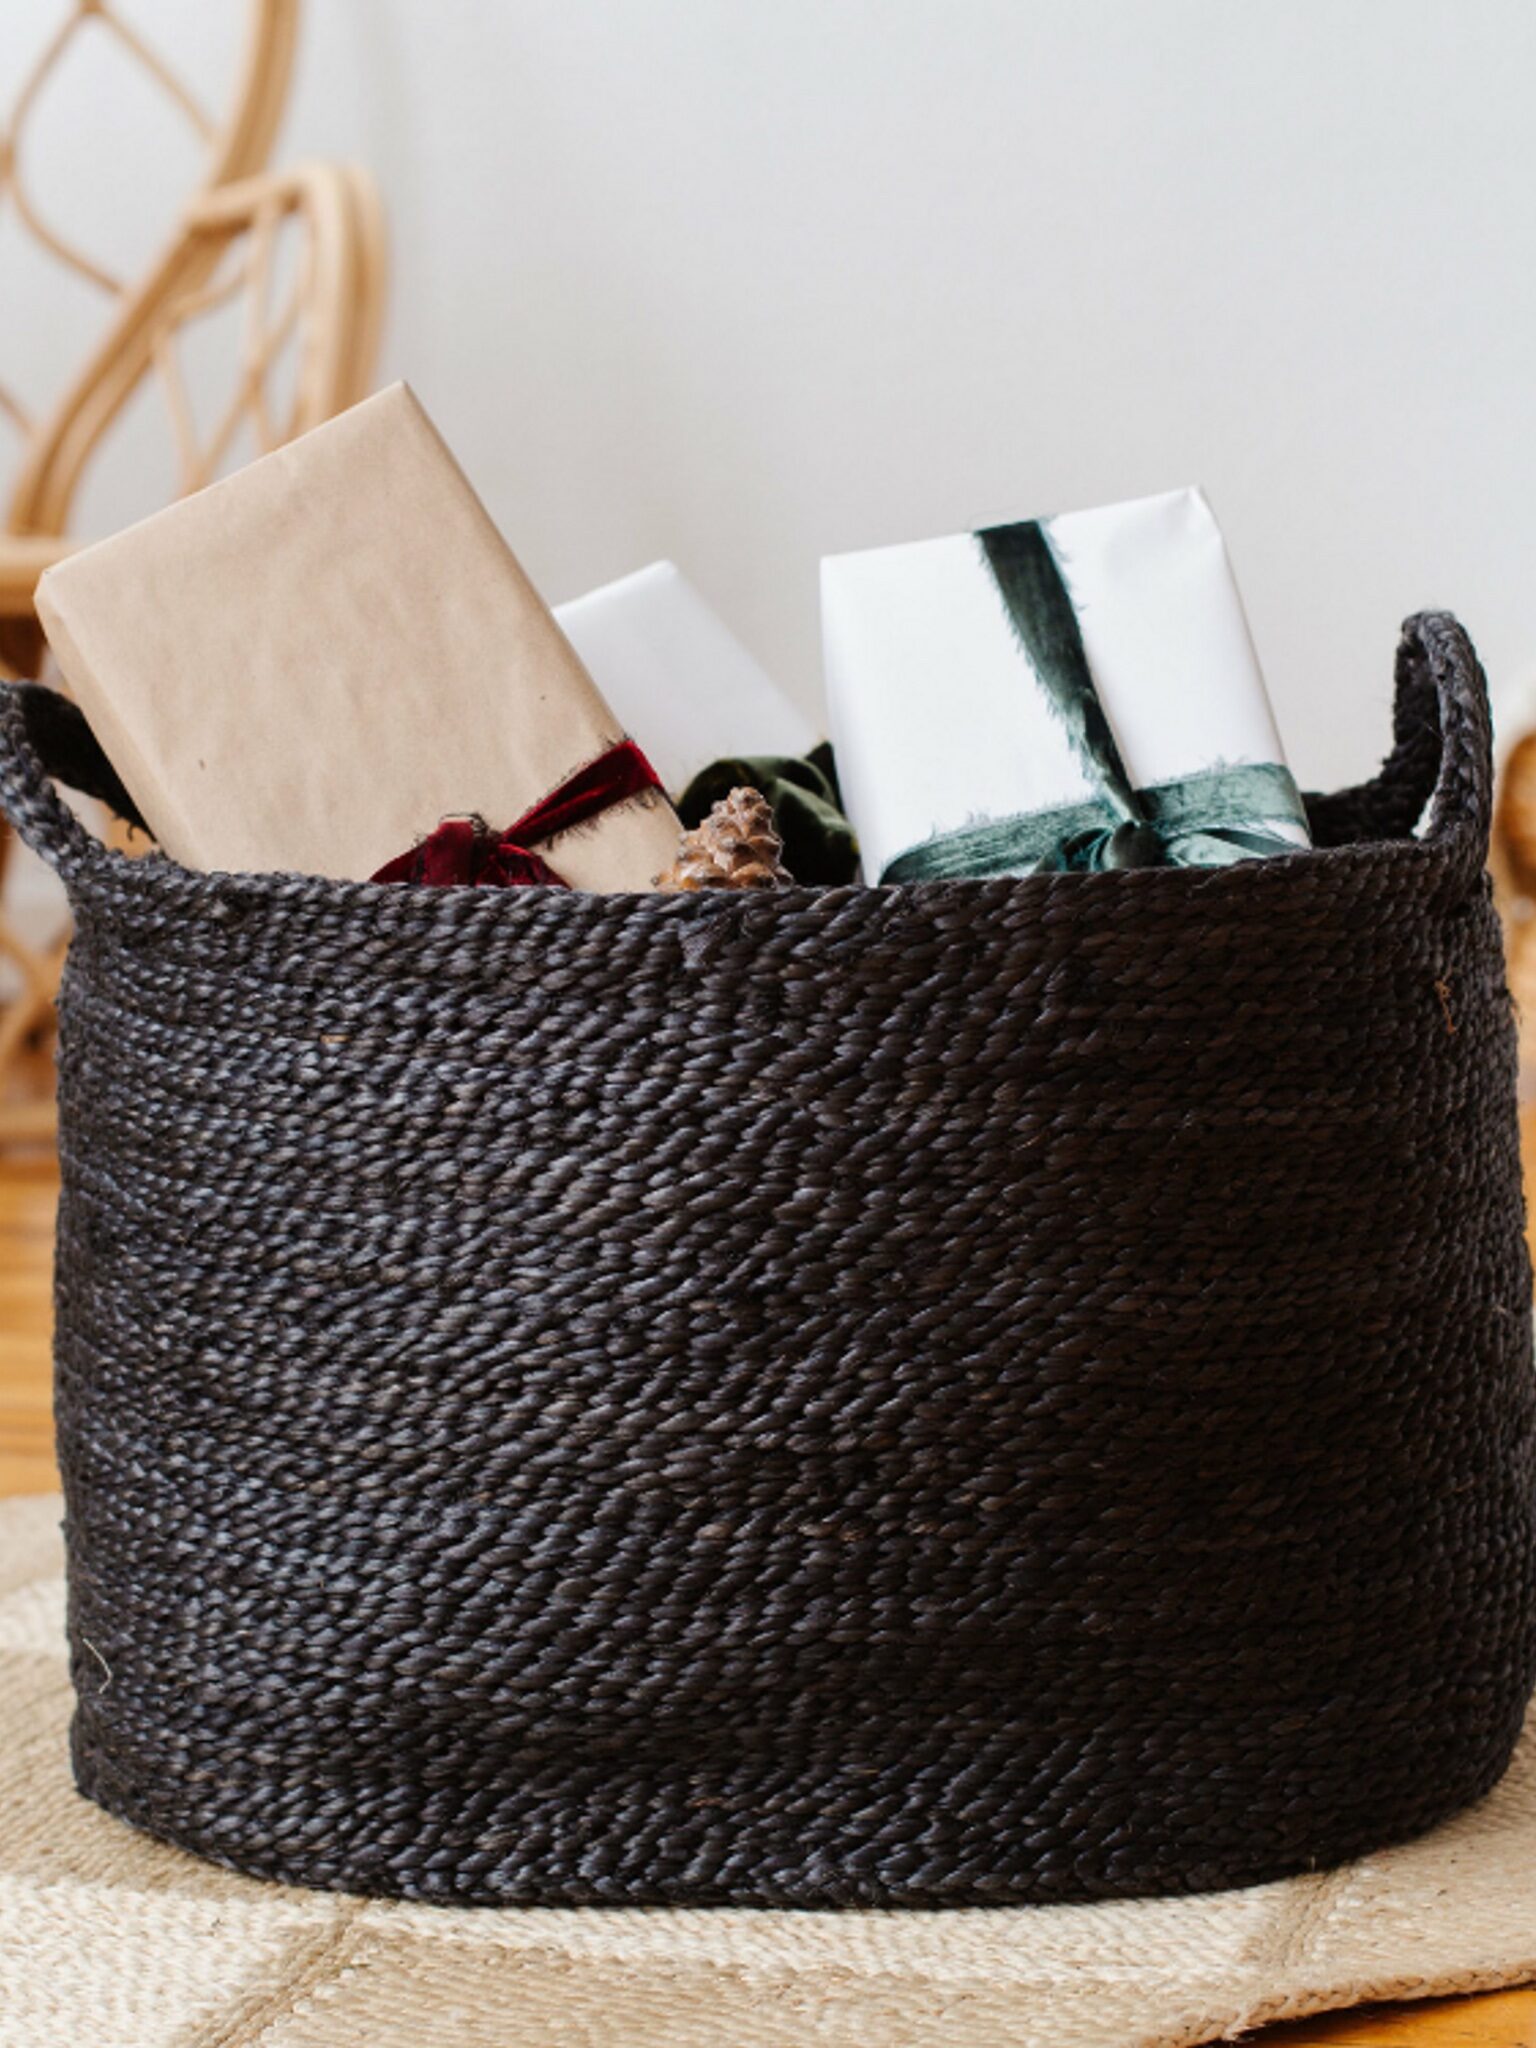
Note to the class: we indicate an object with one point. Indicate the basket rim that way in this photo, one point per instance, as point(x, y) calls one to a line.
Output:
point(216, 896)
point(1439, 774)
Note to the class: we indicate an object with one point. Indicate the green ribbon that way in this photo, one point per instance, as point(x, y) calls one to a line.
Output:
point(1207, 820)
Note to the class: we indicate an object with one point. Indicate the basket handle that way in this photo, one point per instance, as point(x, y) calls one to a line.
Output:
point(27, 795)
point(1442, 755)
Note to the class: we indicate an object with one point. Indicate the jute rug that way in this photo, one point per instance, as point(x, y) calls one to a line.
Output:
point(108, 1940)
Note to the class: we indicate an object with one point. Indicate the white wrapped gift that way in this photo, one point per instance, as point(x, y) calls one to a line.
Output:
point(1088, 682)
point(672, 669)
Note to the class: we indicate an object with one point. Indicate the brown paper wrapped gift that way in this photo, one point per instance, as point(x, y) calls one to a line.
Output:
point(309, 665)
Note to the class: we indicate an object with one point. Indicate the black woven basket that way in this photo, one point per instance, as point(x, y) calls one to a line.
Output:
point(967, 1393)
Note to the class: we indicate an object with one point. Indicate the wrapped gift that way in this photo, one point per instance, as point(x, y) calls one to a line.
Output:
point(665, 661)
point(1078, 692)
point(312, 663)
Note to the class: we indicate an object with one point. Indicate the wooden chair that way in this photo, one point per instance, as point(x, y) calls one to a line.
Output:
point(319, 326)
point(1512, 859)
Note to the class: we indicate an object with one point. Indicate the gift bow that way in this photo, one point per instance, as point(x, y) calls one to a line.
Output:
point(1207, 820)
point(465, 851)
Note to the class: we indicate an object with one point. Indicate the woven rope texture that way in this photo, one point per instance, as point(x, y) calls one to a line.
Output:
point(968, 1393)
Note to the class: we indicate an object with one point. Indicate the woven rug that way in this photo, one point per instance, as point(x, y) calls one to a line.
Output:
point(109, 1940)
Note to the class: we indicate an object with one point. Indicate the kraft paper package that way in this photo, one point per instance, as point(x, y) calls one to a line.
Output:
point(1076, 692)
point(309, 665)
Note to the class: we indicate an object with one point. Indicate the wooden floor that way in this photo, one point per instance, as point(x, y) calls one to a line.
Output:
point(29, 1188)
point(28, 1191)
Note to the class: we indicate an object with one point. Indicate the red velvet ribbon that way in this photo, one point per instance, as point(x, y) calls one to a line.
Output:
point(465, 851)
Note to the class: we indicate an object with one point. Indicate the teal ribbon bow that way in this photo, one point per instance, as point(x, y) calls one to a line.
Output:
point(1207, 820)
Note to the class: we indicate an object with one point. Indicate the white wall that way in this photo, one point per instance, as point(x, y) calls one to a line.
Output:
point(745, 283)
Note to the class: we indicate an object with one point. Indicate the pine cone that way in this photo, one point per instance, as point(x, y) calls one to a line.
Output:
point(736, 847)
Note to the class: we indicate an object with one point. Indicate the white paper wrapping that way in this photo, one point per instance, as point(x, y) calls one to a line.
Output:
point(938, 719)
point(673, 670)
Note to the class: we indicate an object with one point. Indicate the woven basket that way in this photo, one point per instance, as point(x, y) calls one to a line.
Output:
point(956, 1394)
